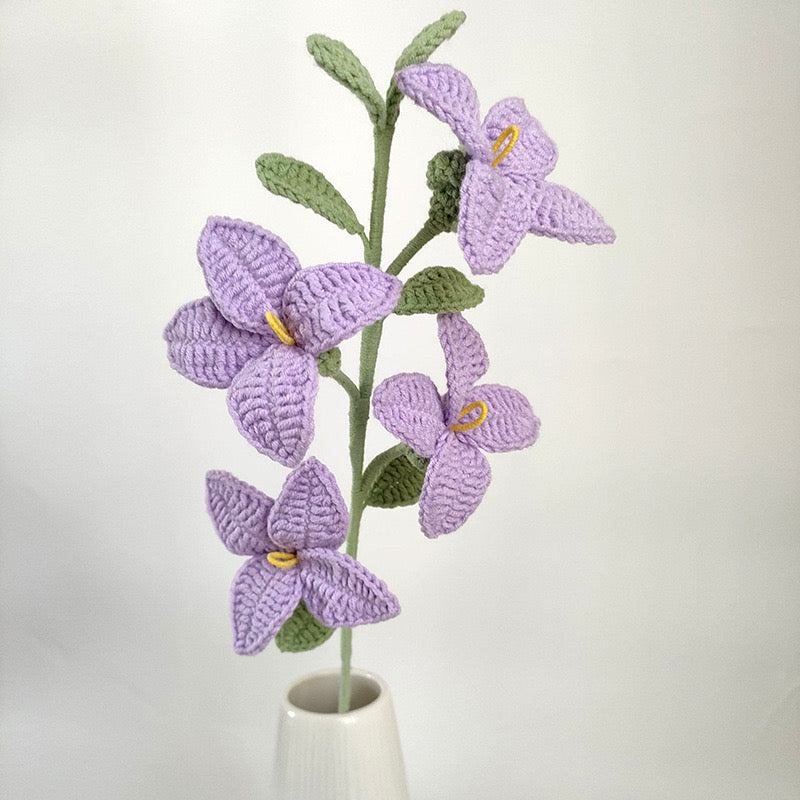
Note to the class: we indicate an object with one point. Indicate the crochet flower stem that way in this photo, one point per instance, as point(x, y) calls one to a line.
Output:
point(360, 399)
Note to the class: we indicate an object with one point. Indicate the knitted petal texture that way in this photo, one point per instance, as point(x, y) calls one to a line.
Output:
point(493, 218)
point(205, 348)
point(535, 153)
point(510, 423)
point(293, 543)
point(465, 360)
point(263, 597)
point(340, 592)
point(310, 510)
point(503, 194)
point(455, 483)
point(246, 269)
point(558, 212)
point(272, 403)
point(324, 305)
point(239, 512)
point(450, 96)
point(408, 405)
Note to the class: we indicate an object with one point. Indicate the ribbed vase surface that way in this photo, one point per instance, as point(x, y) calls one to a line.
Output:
point(323, 755)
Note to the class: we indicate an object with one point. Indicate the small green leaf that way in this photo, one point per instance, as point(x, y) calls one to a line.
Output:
point(415, 459)
point(329, 362)
point(438, 290)
point(342, 64)
point(301, 632)
point(398, 484)
point(303, 184)
point(420, 49)
point(444, 176)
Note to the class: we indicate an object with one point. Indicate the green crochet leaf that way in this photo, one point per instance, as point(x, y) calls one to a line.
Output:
point(438, 290)
point(415, 459)
point(420, 49)
point(398, 484)
point(444, 176)
point(301, 632)
point(329, 362)
point(342, 64)
point(303, 184)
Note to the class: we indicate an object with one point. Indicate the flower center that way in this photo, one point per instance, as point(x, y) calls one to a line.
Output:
point(279, 328)
point(468, 426)
point(509, 136)
point(282, 560)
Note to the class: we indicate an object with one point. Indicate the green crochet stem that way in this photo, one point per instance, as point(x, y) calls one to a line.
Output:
point(361, 396)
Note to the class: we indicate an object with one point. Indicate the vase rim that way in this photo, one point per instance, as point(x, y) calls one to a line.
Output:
point(369, 690)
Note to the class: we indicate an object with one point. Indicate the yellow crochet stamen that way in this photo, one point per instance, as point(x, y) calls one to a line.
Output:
point(279, 328)
point(282, 560)
point(468, 426)
point(513, 132)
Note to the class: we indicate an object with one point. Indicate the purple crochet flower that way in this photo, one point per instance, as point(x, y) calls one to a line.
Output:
point(504, 194)
point(293, 542)
point(262, 328)
point(452, 430)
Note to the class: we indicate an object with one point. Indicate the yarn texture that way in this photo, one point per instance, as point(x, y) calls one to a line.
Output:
point(438, 290)
point(302, 632)
point(398, 484)
point(444, 177)
point(301, 183)
point(305, 525)
point(227, 340)
point(409, 406)
point(339, 61)
point(504, 194)
point(420, 49)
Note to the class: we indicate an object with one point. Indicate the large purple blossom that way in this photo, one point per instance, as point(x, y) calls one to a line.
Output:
point(263, 326)
point(504, 194)
point(293, 542)
point(453, 430)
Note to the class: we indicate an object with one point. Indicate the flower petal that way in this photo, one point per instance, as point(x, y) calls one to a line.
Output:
point(493, 217)
point(272, 403)
point(510, 423)
point(534, 154)
point(465, 361)
point(341, 592)
point(409, 407)
point(263, 597)
point(327, 304)
point(310, 510)
point(455, 483)
point(205, 348)
point(450, 96)
point(239, 513)
point(247, 269)
point(561, 213)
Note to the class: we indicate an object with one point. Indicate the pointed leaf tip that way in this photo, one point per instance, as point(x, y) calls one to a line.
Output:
point(438, 290)
point(301, 183)
point(420, 49)
point(302, 632)
point(398, 484)
point(342, 64)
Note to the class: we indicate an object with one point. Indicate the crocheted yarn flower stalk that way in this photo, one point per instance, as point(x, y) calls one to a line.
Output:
point(268, 329)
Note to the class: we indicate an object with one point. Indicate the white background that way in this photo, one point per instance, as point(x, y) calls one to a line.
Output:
point(619, 619)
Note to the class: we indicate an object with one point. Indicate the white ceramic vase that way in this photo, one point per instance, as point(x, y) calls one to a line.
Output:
point(323, 755)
